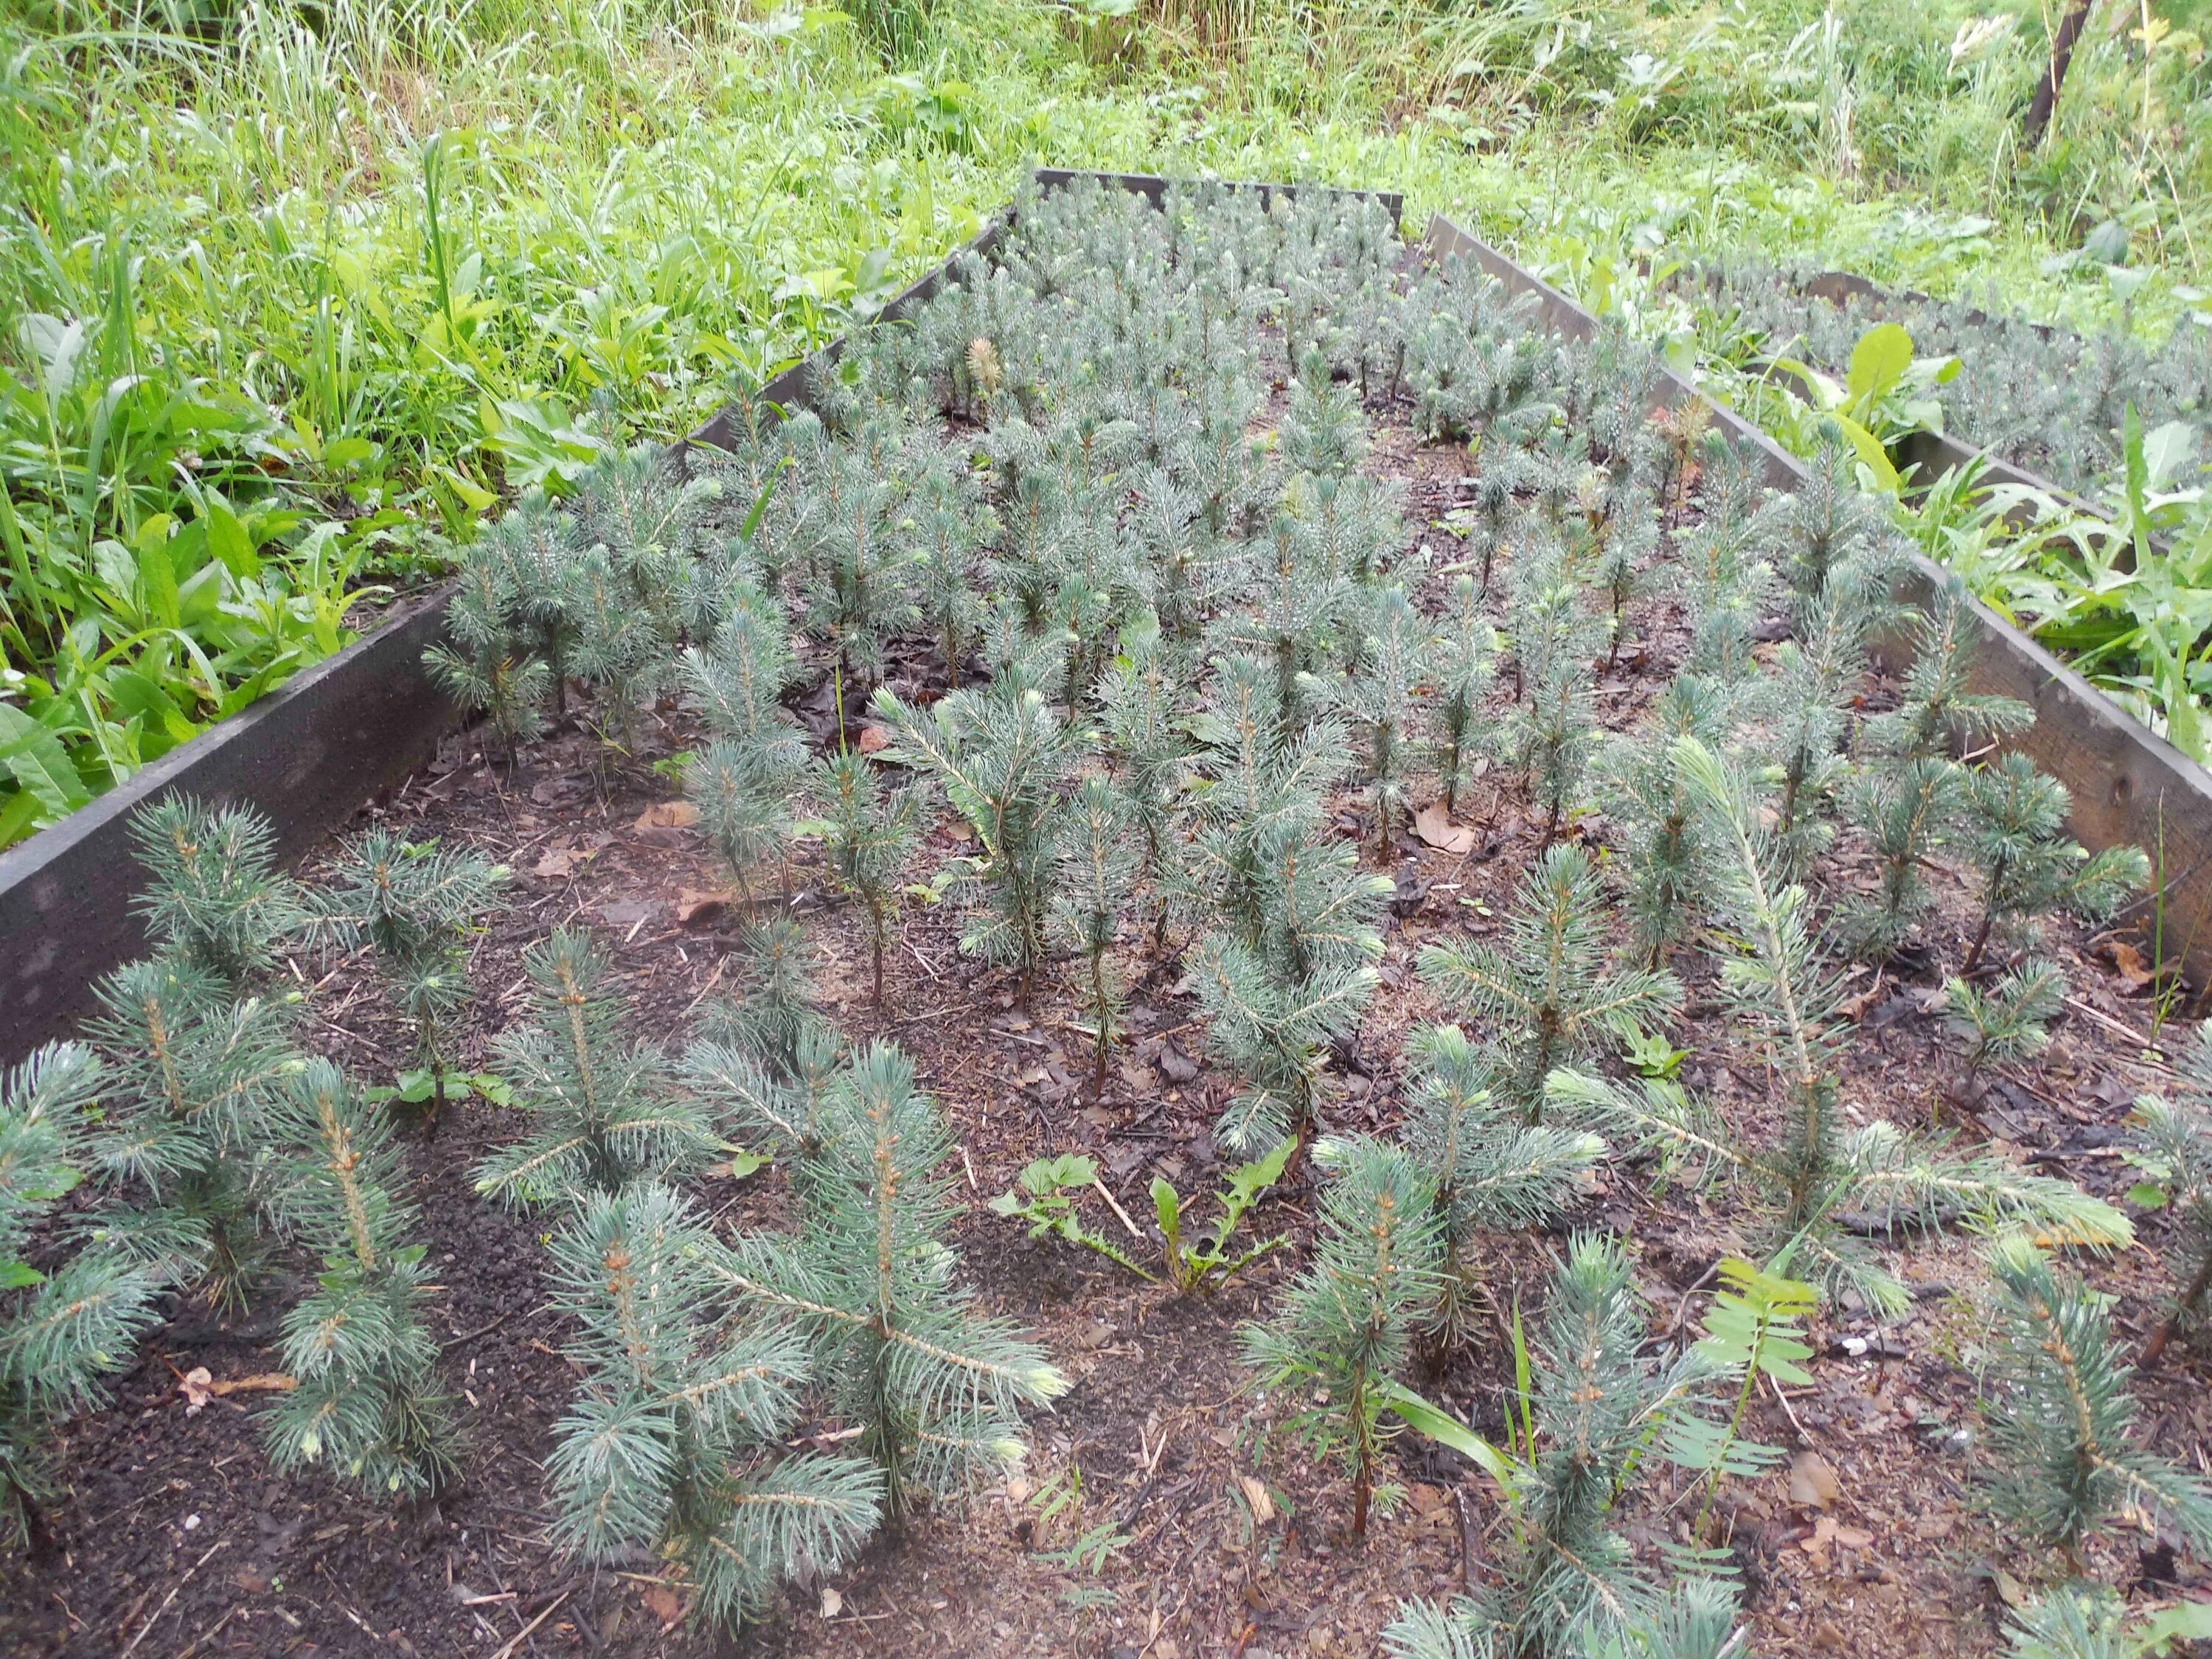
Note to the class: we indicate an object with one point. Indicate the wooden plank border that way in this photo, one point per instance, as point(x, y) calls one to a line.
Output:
point(2130, 787)
point(306, 755)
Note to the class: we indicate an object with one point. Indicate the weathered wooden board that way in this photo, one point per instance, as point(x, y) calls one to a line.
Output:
point(2129, 787)
point(306, 755)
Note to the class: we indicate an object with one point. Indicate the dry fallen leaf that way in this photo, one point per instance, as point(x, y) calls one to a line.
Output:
point(1812, 1481)
point(664, 1604)
point(2008, 1588)
point(832, 1603)
point(1255, 1494)
point(2133, 969)
point(559, 861)
point(693, 905)
point(1856, 1538)
point(667, 815)
point(1434, 825)
point(873, 741)
point(193, 1385)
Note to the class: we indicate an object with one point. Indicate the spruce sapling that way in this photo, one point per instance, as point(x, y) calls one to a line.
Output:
point(1549, 994)
point(2062, 1417)
point(489, 669)
point(1905, 808)
point(773, 1017)
point(869, 833)
point(618, 649)
point(743, 781)
point(1936, 710)
point(367, 1401)
point(1378, 701)
point(602, 1113)
point(1489, 1173)
point(1097, 866)
point(214, 898)
point(2173, 1148)
point(1000, 753)
point(1565, 1580)
point(935, 1388)
point(181, 1148)
point(412, 903)
point(2025, 864)
point(1661, 830)
point(674, 1442)
point(1461, 665)
point(1140, 720)
point(948, 526)
point(1347, 1324)
point(2007, 1022)
point(1550, 731)
point(63, 1331)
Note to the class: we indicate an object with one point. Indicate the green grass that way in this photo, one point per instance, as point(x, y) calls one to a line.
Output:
point(285, 310)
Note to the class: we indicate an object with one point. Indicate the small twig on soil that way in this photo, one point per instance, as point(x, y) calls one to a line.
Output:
point(516, 1641)
point(1784, 1400)
point(198, 1641)
point(486, 1330)
point(1112, 1205)
point(712, 980)
point(189, 1571)
point(2109, 1023)
point(1465, 1543)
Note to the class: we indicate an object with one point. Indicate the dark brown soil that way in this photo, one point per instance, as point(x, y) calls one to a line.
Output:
point(1210, 1534)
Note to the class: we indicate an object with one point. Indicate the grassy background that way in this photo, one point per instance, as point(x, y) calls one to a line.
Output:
point(293, 292)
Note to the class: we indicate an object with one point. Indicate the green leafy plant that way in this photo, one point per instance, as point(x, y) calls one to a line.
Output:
point(1887, 392)
point(1041, 1198)
point(1209, 1266)
point(1755, 1327)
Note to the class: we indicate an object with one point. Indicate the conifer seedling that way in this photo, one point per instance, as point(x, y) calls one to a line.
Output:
point(412, 903)
point(1000, 754)
point(1461, 663)
point(674, 1443)
point(935, 1388)
point(1097, 868)
point(213, 897)
point(63, 1331)
point(489, 669)
point(2008, 1021)
point(1346, 1325)
point(601, 1114)
point(869, 833)
point(367, 1406)
point(1547, 994)
point(2173, 1149)
point(2026, 866)
point(2061, 1413)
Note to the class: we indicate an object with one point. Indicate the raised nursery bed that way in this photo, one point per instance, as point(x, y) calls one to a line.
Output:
point(1294, 948)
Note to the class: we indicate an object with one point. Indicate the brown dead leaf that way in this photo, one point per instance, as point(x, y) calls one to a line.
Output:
point(664, 1604)
point(193, 1385)
point(1434, 825)
point(1427, 1500)
point(1854, 1538)
point(559, 861)
point(1812, 1481)
point(873, 741)
point(694, 905)
point(2132, 966)
point(833, 1603)
point(1255, 1494)
point(667, 815)
point(2009, 1588)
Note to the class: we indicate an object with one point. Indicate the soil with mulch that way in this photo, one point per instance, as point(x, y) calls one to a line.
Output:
point(1162, 1514)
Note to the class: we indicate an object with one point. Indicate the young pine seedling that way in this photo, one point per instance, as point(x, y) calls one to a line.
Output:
point(2061, 1415)
point(412, 903)
point(1564, 1579)
point(214, 898)
point(2008, 1022)
point(1000, 754)
point(1547, 994)
point(1347, 1324)
point(1461, 665)
point(603, 1114)
point(869, 833)
point(773, 1017)
point(367, 1406)
point(490, 669)
point(62, 1333)
point(2173, 1151)
point(181, 1149)
point(2025, 864)
point(935, 1388)
point(1097, 870)
point(1490, 1172)
point(675, 1440)
point(1377, 701)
